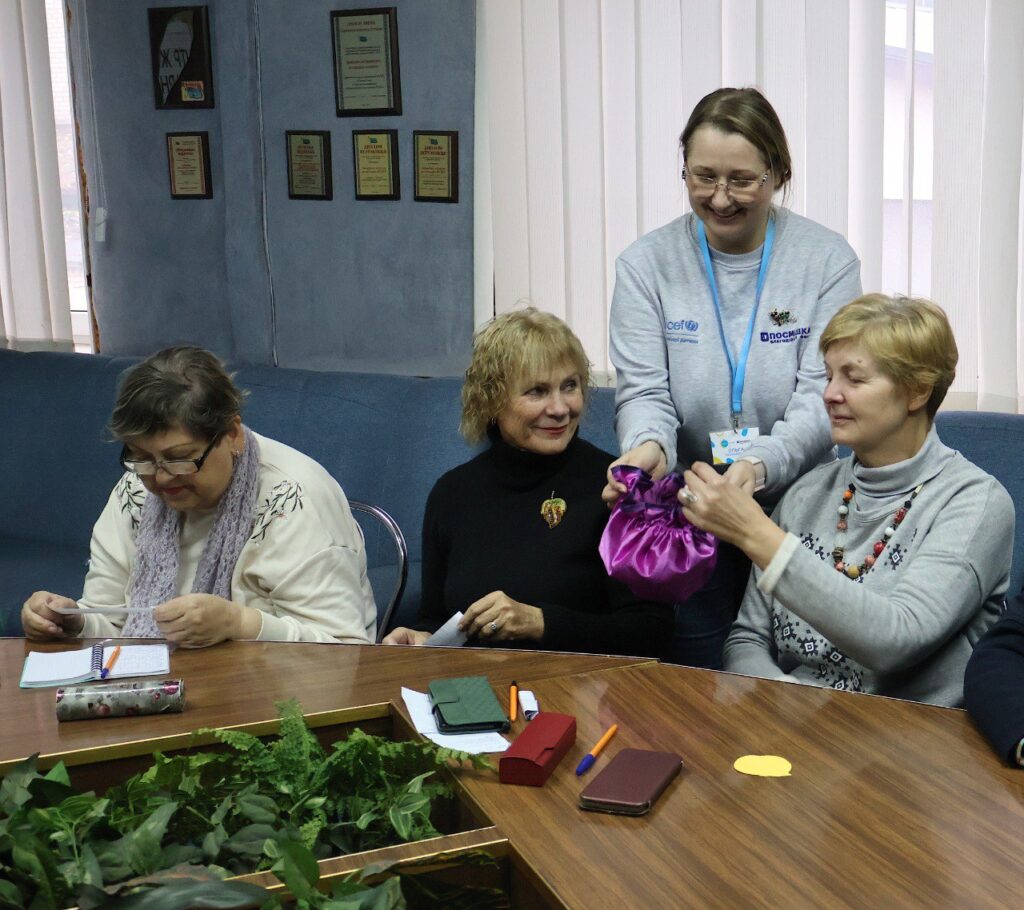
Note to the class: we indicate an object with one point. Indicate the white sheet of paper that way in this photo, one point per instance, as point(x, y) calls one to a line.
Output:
point(528, 704)
point(73, 611)
point(418, 706)
point(448, 636)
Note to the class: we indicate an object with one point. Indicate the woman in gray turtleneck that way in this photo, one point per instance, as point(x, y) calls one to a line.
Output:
point(879, 572)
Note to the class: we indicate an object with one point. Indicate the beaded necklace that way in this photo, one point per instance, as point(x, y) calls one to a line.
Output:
point(855, 571)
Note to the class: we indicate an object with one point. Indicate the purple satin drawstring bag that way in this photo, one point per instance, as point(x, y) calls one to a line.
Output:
point(649, 545)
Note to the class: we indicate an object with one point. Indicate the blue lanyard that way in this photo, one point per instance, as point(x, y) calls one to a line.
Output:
point(738, 370)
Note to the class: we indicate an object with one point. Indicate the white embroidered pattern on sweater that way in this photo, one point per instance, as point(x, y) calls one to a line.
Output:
point(811, 649)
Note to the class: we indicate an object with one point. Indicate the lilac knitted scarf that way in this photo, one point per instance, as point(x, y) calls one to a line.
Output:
point(157, 545)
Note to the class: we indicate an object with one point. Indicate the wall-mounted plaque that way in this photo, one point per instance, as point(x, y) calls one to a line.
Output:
point(179, 46)
point(309, 164)
point(436, 166)
point(366, 71)
point(375, 160)
point(188, 160)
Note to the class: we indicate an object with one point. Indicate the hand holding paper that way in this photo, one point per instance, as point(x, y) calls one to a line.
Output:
point(45, 616)
point(449, 635)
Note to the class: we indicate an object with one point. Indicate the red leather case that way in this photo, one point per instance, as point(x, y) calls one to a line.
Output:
point(537, 750)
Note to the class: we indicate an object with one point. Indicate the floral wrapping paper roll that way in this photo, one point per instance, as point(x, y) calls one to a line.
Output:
point(121, 699)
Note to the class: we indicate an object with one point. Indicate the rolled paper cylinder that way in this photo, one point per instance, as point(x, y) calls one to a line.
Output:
point(121, 699)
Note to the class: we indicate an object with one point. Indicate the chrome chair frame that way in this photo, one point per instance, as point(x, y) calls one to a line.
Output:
point(402, 554)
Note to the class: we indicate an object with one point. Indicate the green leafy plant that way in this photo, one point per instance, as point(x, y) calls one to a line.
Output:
point(279, 804)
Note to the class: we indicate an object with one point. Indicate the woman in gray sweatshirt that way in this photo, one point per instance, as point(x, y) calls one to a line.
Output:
point(878, 572)
point(715, 323)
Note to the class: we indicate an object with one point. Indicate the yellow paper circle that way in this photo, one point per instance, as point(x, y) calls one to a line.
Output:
point(763, 765)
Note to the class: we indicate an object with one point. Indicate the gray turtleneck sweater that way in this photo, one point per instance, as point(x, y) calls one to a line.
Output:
point(907, 627)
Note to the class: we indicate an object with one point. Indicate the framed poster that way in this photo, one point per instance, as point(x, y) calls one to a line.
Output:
point(179, 47)
point(435, 166)
point(366, 73)
point(375, 162)
point(309, 164)
point(188, 162)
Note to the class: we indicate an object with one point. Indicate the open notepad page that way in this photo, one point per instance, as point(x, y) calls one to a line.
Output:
point(59, 668)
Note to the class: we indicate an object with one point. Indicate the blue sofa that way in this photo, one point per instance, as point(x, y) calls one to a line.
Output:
point(385, 438)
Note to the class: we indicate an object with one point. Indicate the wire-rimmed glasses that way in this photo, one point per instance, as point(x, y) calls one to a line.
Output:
point(740, 189)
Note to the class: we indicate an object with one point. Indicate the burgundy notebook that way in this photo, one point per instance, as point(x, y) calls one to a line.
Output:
point(631, 782)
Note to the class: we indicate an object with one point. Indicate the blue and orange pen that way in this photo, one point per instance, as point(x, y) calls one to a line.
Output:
point(591, 756)
point(114, 655)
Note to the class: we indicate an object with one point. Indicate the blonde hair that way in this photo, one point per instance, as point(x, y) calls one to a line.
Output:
point(523, 343)
point(910, 339)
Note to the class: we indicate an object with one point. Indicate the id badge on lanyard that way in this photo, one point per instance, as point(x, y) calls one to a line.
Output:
point(732, 443)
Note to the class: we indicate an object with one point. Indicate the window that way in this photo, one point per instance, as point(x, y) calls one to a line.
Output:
point(71, 196)
point(907, 217)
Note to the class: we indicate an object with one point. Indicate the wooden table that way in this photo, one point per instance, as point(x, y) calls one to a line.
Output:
point(890, 804)
point(239, 683)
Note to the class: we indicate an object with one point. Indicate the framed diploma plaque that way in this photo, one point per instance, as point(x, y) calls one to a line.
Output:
point(366, 73)
point(188, 160)
point(375, 159)
point(309, 165)
point(436, 165)
point(179, 47)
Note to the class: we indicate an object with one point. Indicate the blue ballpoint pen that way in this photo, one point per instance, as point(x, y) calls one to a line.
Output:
point(589, 759)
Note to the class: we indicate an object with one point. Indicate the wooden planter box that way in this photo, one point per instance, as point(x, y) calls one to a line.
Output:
point(465, 829)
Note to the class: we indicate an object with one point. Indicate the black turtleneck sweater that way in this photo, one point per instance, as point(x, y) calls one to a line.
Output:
point(483, 531)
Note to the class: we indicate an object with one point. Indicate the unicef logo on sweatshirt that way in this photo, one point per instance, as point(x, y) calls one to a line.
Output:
point(682, 331)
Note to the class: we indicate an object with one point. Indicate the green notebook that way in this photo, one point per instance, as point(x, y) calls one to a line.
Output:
point(466, 704)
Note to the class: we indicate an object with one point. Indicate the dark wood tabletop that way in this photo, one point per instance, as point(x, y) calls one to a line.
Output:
point(890, 804)
point(239, 683)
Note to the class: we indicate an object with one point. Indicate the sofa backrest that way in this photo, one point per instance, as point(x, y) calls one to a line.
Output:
point(57, 463)
point(992, 441)
point(386, 439)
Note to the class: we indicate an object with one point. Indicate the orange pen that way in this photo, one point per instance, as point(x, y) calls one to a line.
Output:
point(114, 655)
point(513, 701)
point(591, 756)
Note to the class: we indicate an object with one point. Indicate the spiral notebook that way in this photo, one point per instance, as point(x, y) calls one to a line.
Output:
point(61, 668)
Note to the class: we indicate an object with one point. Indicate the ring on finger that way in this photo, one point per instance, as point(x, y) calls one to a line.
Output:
point(493, 627)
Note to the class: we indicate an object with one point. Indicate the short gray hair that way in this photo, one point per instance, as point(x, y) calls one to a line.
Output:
point(185, 387)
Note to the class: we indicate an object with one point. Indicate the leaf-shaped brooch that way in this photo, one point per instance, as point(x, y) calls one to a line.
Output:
point(552, 510)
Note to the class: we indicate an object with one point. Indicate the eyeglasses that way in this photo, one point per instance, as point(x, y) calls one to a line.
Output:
point(178, 466)
point(737, 188)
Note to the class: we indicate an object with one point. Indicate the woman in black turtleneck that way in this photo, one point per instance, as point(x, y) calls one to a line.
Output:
point(510, 538)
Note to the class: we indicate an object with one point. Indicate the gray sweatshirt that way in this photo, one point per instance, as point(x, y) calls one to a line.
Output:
point(673, 376)
point(906, 628)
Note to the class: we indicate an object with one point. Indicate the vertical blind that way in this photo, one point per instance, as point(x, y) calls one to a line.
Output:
point(34, 301)
point(904, 122)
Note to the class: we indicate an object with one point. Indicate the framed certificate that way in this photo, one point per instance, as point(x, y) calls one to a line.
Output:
point(188, 160)
point(309, 164)
point(366, 72)
point(179, 48)
point(436, 166)
point(375, 160)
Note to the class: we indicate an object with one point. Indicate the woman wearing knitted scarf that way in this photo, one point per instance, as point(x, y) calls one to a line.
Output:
point(202, 536)
point(879, 572)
